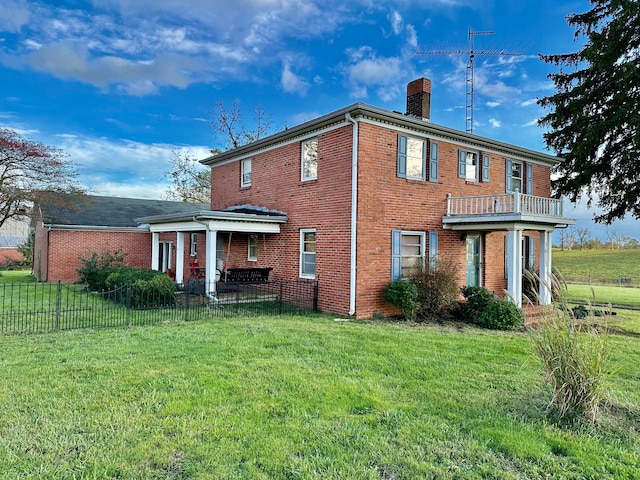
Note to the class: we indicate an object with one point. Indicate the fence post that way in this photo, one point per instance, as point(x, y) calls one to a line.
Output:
point(58, 303)
point(315, 296)
point(280, 303)
point(187, 294)
point(128, 304)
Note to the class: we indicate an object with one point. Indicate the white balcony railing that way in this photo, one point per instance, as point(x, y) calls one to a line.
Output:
point(504, 204)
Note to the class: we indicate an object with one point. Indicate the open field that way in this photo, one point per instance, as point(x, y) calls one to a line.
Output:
point(627, 296)
point(599, 266)
point(302, 397)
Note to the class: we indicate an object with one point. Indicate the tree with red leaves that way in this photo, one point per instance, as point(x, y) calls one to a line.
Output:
point(32, 172)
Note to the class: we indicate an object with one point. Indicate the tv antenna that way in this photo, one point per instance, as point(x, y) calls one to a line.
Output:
point(470, 74)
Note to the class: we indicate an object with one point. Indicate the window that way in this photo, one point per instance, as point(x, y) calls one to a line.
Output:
point(245, 180)
point(165, 253)
point(310, 159)
point(194, 244)
point(253, 248)
point(411, 157)
point(514, 177)
point(307, 253)
point(407, 253)
point(468, 165)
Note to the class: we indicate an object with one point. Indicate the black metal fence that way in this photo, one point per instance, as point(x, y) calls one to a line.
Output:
point(44, 307)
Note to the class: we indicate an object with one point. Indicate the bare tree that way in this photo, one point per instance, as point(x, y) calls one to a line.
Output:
point(191, 180)
point(582, 236)
point(227, 123)
point(32, 172)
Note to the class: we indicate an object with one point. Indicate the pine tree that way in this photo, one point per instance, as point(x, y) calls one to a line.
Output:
point(595, 112)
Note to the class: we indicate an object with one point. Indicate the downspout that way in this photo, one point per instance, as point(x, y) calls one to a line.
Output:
point(354, 212)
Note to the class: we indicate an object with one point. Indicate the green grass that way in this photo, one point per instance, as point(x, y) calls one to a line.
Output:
point(301, 398)
point(602, 266)
point(626, 296)
point(16, 276)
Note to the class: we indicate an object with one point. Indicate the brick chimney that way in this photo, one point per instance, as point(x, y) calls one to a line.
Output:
point(419, 99)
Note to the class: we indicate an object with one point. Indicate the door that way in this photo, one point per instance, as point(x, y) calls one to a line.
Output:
point(474, 260)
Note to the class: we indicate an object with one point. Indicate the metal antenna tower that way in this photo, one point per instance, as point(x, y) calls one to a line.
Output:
point(470, 73)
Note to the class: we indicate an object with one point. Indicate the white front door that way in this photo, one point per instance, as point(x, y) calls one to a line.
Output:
point(474, 260)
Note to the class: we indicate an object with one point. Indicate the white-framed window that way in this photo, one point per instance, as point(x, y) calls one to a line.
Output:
point(245, 178)
point(307, 253)
point(193, 244)
point(407, 252)
point(412, 154)
point(252, 254)
point(310, 159)
point(468, 165)
point(514, 171)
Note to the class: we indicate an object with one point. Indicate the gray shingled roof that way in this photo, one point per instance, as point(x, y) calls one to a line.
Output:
point(95, 211)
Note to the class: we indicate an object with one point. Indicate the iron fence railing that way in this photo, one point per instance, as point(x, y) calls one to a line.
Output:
point(45, 307)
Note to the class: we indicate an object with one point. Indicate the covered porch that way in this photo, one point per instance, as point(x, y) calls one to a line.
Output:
point(514, 213)
point(179, 228)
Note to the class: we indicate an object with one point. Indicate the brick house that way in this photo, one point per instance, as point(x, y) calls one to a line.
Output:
point(88, 224)
point(355, 198)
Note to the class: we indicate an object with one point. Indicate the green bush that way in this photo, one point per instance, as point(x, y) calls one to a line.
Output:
point(501, 315)
point(402, 294)
point(437, 289)
point(477, 299)
point(95, 269)
point(574, 364)
point(149, 288)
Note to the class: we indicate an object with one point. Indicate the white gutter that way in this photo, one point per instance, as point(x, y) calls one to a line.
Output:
point(354, 211)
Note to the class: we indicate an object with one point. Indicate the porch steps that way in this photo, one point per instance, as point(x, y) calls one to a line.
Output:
point(533, 314)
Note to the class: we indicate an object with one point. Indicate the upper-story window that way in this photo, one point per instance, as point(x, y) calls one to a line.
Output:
point(472, 166)
point(412, 154)
point(310, 159)
point(245, 178)
point(252, 254)
point(468, 165)
point(514, 176)
point(519, 177)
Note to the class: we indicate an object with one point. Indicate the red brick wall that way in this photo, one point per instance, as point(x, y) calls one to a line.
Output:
point(65, 247)
point(323, 204)
point(385, 203)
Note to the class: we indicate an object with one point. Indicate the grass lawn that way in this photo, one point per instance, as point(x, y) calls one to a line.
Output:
point(16, 276)
point(601, 265)
point(627, 296)
point(301, 397)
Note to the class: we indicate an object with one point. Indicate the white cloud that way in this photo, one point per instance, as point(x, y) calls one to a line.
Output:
point(383, 74)
point(123, 168)
point(292, 83)
point(494, 104)
point(526, 103)
point(13, 15)
point(495, 123)
point(531, 123)
point(396, 21)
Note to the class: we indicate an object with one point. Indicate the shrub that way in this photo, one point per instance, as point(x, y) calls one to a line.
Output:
point(477, 299)
point(402, 294)
point(149, 288)
point(437, 289)
point(501, 315)
point(574, 364)
point(95, 269)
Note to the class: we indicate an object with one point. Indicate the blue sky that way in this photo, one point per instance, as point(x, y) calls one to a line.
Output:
point(121, 84)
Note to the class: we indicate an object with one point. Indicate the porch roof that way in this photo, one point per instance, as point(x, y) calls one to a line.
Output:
point(242, 218)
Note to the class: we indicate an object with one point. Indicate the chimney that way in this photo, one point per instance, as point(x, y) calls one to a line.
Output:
point(419, 99)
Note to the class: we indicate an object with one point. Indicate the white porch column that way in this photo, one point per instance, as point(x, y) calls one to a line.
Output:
point(514, 266)
point(179, 257)
point(155, 251)
point(545, 268)
point(210, 273)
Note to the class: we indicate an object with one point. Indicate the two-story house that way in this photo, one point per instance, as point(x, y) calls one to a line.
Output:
point(355, 198)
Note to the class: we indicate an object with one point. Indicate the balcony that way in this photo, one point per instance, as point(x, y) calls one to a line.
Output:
point(495, 211)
